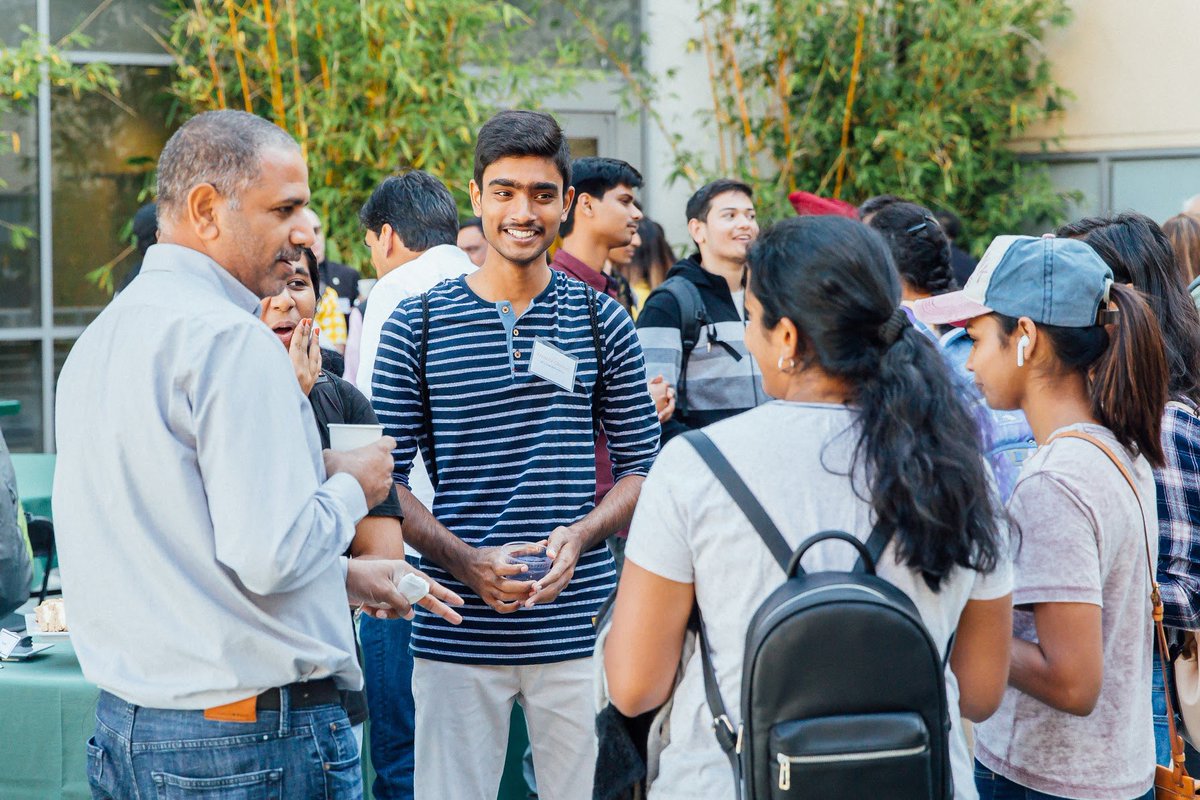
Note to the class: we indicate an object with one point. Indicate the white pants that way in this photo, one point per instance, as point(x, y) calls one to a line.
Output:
point(462, 720)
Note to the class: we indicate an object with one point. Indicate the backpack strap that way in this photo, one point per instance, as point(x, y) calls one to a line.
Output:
point(423, 380)
point(598, 345)
point(692, 317)
point(728, 738)
point(763, 525)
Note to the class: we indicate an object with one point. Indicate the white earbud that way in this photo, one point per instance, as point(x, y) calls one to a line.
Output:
point(1022, 343)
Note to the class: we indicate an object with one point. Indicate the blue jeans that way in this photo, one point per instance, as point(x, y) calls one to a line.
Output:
point(387, 668)
point(992, 786)
point(1162, 733)
point(173, 755)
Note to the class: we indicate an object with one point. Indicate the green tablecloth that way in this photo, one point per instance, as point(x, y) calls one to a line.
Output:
point(10, 408)
point(35, 481)
point(49, 712)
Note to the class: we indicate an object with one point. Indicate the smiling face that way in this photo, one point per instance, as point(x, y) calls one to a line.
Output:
point(298, 301)
point(613, 218)
point(729, 229)
point(522, 204)
point(258, 238)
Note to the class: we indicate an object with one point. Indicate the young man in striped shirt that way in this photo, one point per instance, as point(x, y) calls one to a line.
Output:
point(506, 405)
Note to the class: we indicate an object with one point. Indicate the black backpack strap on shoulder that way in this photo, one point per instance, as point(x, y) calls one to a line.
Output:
point(877, 542)
point(693, 316)
point(728, 738)
point(598, 345)
point(741, 494)
point(423, 380)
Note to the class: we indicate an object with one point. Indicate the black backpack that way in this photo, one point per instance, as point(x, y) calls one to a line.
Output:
point(843, 690)
point(693, 315)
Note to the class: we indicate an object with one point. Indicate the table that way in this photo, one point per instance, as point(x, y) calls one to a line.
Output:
point(49, 713)
point(10, 408)
point(35, 481)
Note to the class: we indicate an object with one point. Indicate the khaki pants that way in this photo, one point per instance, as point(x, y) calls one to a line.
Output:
point(462, 720)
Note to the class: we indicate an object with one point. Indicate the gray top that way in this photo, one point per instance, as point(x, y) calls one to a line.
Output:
point(198, 536)
point(15, 567)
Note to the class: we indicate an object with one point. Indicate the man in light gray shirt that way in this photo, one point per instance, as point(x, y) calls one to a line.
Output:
point(200, 528)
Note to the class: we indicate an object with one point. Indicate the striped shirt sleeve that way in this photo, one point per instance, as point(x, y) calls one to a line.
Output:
point(627, 412)
point(658, 329)
point(395, 391)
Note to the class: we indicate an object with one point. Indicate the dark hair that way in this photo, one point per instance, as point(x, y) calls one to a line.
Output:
point(517, 134)
point(595, 176)
point(419, 208)
point(700, 203)
point(1183, 231)
point(919, 246)
point(653, 257)
point(872, 205)
point(918, 443)
point(950, 223)
point(145, 228)
point(314, 270)
point(471, 222)
point(1127, 372)
point(1138, 252)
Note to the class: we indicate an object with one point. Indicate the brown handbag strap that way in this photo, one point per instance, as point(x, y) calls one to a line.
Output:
point(1177, 755)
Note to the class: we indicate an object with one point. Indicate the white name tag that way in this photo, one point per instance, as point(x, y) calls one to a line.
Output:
point(553, 364)
point(8, 642)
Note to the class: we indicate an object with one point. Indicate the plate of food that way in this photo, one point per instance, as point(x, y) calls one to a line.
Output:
point(48, 621)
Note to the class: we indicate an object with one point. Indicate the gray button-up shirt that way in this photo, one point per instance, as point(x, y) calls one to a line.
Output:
point(198, 536)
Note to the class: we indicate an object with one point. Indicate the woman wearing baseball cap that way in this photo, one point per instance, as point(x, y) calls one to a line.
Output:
point(1083, 358)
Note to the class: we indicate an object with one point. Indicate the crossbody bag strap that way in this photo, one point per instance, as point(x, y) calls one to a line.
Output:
point(1177, 754)
point(760, 520)
point(423, 379)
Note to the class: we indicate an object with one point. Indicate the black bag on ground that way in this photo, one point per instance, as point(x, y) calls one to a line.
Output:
point(843, 690)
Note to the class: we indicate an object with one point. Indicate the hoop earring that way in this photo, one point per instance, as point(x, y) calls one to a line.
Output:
point(789, 368)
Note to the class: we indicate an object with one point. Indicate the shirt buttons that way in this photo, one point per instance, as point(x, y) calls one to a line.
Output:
point(504, 309)
point(517, 354)
point(516, 332)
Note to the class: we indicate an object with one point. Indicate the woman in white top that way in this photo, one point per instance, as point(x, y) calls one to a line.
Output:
point(1091, 379)
point(866, 428)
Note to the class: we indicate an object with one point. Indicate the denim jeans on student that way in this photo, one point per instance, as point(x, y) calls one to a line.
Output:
point(387, 667)
point(997, 787)
point(1162, 733)
point(157, 753)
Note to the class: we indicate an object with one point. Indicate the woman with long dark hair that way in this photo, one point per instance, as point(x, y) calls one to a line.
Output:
point(1082, 357)
point(1140, 253)
point(866, 429)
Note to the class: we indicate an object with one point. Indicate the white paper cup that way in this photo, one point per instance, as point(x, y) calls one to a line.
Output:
point(351, 437)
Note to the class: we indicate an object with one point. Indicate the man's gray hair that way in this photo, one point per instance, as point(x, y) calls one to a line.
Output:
point(223, 148)
point(1191, 205)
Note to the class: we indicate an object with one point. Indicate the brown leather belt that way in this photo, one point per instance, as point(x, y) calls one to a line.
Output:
point(307, 694)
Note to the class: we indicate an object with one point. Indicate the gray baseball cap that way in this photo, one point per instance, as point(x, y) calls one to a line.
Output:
point(1052, 281)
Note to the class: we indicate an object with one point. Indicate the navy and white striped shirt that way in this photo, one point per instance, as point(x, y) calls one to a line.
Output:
point(515, 454)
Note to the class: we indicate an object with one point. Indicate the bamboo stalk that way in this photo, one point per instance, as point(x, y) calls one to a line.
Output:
point(854, 67)
point(752, 146)
point(297, 80)
point(211, 54)
point(237, 55)
point(274, 67)
point(718, 116)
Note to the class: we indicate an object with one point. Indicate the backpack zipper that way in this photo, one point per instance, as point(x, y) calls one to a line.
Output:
point(786, 761)
point(797, 598)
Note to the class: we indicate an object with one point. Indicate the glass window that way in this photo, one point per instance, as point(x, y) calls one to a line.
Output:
point(20, 303)
point(21, 379)
point(104, 151)
point(16, 13)
point(1157, 187)
point(127, 26)
point(1082, 177)
point(582, 147)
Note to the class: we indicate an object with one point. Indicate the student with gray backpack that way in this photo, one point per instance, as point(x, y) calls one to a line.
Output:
point(827, 546)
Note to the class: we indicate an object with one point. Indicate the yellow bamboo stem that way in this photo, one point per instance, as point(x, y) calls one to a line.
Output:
point(731, 59)
point(217, 79)
point(297, 79)
point(842, 156)
point(274, 67)
point(719, 117)
point(237, 56)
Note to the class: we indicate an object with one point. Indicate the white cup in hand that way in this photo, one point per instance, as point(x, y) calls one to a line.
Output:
point(352, 437)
